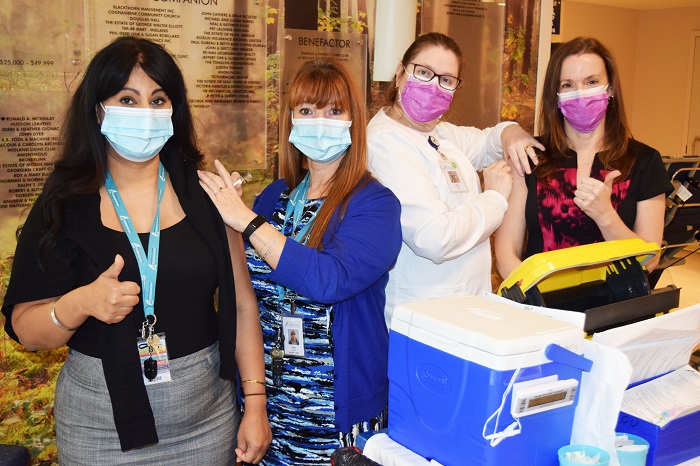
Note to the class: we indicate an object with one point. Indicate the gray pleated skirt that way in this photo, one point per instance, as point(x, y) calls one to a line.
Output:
point(196, 415)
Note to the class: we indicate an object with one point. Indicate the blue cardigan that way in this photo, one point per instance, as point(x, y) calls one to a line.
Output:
point(351, 273)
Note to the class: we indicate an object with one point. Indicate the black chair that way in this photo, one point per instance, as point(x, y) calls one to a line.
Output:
point(682, 220)
point(13, 455)
point(350, 456)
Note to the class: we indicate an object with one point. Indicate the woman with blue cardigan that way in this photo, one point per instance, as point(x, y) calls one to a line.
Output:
point(321, 241)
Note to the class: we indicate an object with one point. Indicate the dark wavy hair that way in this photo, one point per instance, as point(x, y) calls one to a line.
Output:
point(81, 164)
point(431, 39)
point(551, 122)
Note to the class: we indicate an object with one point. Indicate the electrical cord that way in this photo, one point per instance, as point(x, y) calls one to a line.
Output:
point(513, 428)
point(691, 252)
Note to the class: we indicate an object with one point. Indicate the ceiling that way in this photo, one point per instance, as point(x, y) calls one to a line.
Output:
point(644, 4)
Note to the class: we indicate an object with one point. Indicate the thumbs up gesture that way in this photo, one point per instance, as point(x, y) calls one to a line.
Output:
point(593, 196)
point(112, 299)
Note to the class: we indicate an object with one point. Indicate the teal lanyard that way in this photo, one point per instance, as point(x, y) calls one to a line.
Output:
point(147, 261)
point(295, 210)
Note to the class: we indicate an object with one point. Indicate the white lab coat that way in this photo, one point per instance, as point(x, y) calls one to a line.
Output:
point(445, 250)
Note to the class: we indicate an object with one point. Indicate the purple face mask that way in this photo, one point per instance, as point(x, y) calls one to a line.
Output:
point(584, 110)
point(424, 102)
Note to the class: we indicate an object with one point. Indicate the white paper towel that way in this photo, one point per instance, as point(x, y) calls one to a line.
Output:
point(600, 398)
point(383, 450)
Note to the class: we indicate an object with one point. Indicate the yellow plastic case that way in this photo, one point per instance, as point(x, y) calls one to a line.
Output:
point(571, 267)
point(606, 281)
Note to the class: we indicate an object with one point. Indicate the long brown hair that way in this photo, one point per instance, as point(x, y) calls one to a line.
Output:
point(322, 82)
point(551, 122)
point(431, 39)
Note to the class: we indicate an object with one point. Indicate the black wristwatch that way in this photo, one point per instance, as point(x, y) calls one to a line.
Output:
point(252, 226)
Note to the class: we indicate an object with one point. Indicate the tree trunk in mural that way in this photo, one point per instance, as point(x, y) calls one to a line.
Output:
point(514, 18)
point(345, 15)
point(333, 11)
point(527, 53)
point(301, 14)
point(520, 62)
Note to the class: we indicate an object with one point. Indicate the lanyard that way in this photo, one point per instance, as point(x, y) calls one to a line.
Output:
point(435, 144)
point(148, 262)
point(295, 209)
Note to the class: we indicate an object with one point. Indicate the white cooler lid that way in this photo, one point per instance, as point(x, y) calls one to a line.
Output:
point(485, 325)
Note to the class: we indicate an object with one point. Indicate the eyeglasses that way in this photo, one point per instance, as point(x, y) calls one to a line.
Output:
point(425, 74)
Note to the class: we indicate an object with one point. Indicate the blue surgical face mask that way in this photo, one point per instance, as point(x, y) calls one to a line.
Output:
point(321, 139)
point(137, 134)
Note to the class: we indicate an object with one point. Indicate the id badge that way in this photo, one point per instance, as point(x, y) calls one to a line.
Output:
point(160, 354)
point(453, 176)
point(293, 328)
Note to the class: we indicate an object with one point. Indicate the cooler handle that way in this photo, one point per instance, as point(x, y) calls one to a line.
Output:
point(557, 353)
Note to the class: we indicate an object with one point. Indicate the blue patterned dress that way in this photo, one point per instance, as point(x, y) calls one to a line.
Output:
point(301, 409)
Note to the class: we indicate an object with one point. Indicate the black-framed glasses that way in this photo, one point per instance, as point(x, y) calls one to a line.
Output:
point(425, 74)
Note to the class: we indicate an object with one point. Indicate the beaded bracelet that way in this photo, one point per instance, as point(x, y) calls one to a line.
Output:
point(267, 252)
point(267, 241)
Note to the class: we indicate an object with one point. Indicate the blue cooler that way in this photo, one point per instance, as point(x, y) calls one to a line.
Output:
point(452, 360)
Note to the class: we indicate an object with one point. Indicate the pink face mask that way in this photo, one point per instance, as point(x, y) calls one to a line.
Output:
point(424, 102)
point(584, 110)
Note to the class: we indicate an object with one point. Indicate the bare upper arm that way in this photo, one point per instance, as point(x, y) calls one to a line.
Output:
point(649, 224)
point(510, 236)
point(20, 308)
point(244, 288)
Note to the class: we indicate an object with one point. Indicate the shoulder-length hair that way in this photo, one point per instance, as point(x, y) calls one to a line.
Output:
point(81, 164)
point(431, 39)
point(551, 122)
point(322, 82)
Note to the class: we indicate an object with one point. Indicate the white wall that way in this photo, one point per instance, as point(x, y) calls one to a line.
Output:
point(651, 48)
point(661, 82)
